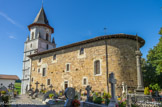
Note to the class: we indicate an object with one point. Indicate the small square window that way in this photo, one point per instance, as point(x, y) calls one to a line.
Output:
point(85, 81)
point(81, 51)
point(54, 57)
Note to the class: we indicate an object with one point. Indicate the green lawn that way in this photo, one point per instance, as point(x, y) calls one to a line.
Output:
point(18, 87)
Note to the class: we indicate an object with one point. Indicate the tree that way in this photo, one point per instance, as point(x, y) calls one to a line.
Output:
point(152, 68)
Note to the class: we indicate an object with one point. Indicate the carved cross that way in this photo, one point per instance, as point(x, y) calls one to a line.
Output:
point(112, 80)
point(42, 86)
point(88, 88)
point(36, 90)
point(51, 87)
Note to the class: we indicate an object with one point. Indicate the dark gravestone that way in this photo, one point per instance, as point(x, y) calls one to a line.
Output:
point(36, 90)
point(69, 94)
point(47, 95)
point(88, 88)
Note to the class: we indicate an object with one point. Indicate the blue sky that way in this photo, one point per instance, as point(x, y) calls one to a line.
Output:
point(73, 21)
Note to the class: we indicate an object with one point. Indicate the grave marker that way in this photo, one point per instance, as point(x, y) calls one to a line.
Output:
point(36, 90)
point(69, 94)
point(88, 88)
point(112, 81)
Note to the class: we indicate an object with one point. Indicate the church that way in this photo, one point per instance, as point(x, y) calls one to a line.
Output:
point(77, 65)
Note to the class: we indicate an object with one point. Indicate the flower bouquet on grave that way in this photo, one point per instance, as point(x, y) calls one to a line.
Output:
point(75, 103)
point(51, 96)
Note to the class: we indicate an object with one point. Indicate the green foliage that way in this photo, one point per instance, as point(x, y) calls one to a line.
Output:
point(3, 92)
point(76, 97)
point(122, 104)
point(5, 99)
point(146, 91)
point(106, 95)
point(152, 67)
point(98, 100)
point(51, 95)
point(155, 87)
point(60, 94)
point(18, 87)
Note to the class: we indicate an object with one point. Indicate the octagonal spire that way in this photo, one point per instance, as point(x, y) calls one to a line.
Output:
point(41, 17)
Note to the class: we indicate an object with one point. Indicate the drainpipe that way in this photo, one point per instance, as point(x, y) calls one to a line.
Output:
point(107, 72)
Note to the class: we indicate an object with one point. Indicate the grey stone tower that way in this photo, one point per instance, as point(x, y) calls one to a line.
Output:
point(38, 41)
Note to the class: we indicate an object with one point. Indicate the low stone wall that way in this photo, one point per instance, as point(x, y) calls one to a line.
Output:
point(89, 104)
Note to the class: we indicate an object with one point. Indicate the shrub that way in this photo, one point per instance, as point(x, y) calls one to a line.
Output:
point(60, 94)
point(75, 103)
point(5, 99)
point(76, 97)
point(146, 91)
point(106, 95)
point(98, 100)
point(51, 95)
point(3, 92)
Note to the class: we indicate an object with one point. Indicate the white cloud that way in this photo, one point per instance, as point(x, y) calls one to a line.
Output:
point(9, 19)
point(12, 37)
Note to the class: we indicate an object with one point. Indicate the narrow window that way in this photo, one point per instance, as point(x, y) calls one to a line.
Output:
point(32, 35)
point(48, 82)
point(32, 79)
point(81, 51)
point(54, 57)
point(47, 46)
point(47, 36)
point(38, 70)
point(44, 72)
point(84, 81)
point(97, 67)
point(40, 59)
point(30, 45)
point(67, 67)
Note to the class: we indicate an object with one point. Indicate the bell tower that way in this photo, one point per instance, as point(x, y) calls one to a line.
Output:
point(39, 40)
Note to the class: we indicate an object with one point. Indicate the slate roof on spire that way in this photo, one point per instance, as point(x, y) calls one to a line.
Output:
point(41, 17)
point(41, 20)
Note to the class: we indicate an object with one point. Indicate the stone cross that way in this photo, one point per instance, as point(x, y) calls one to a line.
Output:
point(51, 87)
point(88, 88)
point(42, 86)
point(123, 86)
point(1, 84)
point(9, 86)
point(112, 81)
point(69, 94)
point(37, 86)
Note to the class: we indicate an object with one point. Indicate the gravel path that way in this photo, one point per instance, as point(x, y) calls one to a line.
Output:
point(24, 101)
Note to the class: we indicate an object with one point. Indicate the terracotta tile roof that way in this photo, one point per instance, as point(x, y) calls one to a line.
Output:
point(9, 77)
point(105, 37)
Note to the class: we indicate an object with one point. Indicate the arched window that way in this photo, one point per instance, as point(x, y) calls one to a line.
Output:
point(30, 45)
point(97, 67)
point(47, 46)
point(81, 51)
point(47, 36)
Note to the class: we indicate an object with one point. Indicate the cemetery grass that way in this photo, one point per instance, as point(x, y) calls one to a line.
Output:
point(18, 87)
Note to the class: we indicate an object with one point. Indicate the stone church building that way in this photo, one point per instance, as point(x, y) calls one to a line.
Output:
point(77, 65)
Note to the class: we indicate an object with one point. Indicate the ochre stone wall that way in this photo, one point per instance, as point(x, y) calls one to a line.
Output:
point(121, 61)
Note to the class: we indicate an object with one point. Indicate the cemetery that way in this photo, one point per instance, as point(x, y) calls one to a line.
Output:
point(71, 98)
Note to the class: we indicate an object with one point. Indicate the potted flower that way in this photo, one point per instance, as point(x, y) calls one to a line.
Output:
point(51, 96)
point(3, 92)
point(75, 103)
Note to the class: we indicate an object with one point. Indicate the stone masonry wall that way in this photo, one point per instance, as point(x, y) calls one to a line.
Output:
point(121, 61)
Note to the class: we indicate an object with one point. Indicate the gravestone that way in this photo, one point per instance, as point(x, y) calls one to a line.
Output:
point(123, 87)
point(69, 94)
point(112, 81)
point(3, 88)
point(36, 90)
point(51, 87)
point(88, 88)
point(47, 95)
